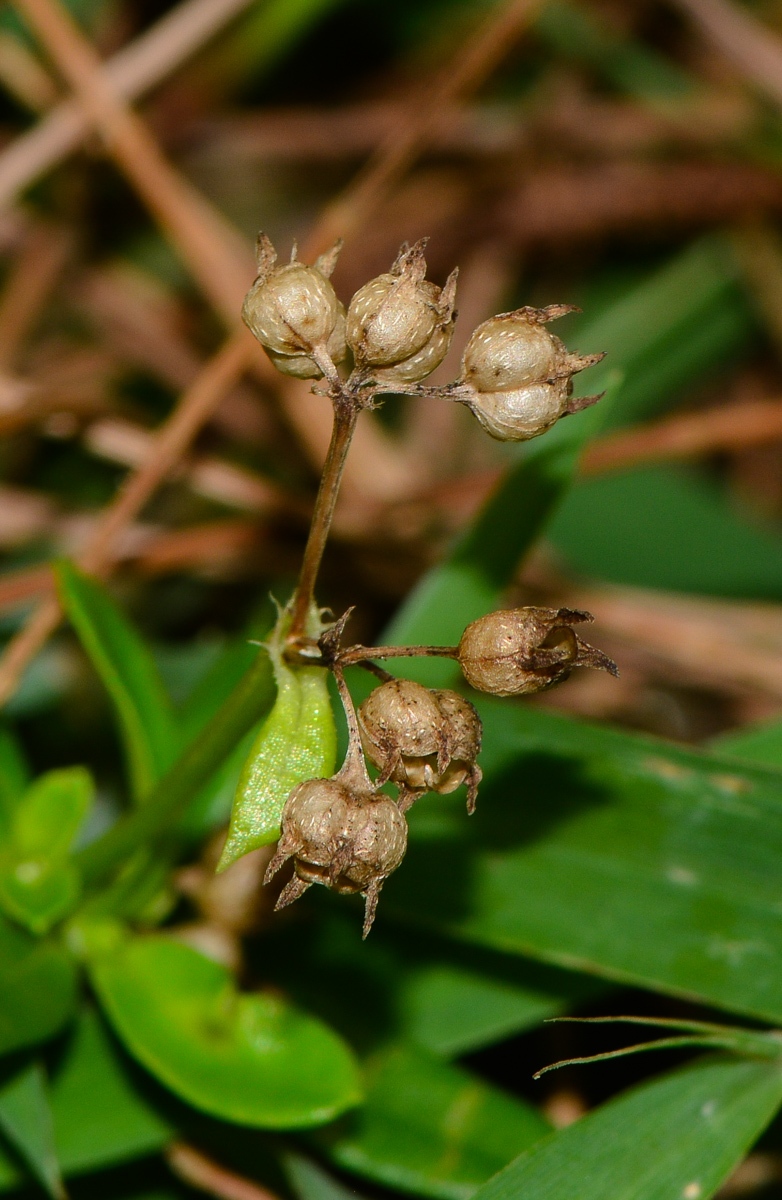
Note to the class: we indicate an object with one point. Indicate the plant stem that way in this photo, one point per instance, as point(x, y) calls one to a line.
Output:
point(345, 417)
point(248, 703)
point(357, 654)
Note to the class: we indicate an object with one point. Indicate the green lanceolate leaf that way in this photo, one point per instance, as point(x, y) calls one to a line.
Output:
point(679, 1136)
point(39, 884)
point(26, 1121)
point(447, 997)
point(38, 991)
point(612, 853)
point(760, 744)
point(309, 1181)
point(99, 1118)
point(432, 1128)
point(297, 741)
point(458, 1006)
point(249, 1058)
point(14, 777)
point(667, 527)
point(128, 672)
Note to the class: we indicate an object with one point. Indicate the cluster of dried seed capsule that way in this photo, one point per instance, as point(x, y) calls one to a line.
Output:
point(516, 377)
point(345, 833)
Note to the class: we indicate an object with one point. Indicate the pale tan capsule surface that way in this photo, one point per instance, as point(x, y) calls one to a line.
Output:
point(403, 716)
point(302, 366)
point(418, 366)
point(517, 416)
point(508, 352)
point(390, 319)
point(463, 729)
point(379, 840)
point(291, 309)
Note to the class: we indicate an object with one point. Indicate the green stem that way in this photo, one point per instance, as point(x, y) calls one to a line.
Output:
point(248, 703)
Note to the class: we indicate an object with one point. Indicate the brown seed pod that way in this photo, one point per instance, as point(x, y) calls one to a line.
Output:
point(420, 739)
point(463, 733)
point(517, 651)
point(519, 374)
point(401, 318)
point(301, 365)
point(521, 414)
point(345, 838)
point(292, 308)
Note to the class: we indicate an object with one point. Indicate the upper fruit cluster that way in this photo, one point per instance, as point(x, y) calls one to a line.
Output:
point(516, 377)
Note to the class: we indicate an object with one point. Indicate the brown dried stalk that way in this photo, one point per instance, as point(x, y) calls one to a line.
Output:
point(173, 439)
point(215, 254)
point(209, 1176)
point(131, 72)
point(750, 46)
point(32, 277)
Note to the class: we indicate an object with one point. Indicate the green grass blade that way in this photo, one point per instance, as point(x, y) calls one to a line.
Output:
point(611, 853)
point(128, 673)
point(432, 1128)
point(679, 1136)
point(26, 1120)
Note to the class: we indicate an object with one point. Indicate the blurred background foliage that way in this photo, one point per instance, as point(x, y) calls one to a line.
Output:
point(622, 156)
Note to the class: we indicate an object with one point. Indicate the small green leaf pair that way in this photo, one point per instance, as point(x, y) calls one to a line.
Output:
point(39, 882)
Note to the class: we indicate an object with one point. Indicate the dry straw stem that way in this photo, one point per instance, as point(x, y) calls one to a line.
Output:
point(472, 64)
point(733, 427)
point(715, 643)
point(208, 1176)
point(209, 243)
point(32, 277)
point(751, 47)
point(216, 255)
point(131, 72)
point(172, 440)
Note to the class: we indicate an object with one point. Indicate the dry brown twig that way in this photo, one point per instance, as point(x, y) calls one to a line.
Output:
point(750, 46)
point(208, 1176)
point(215, 254)
point(43, 255)
point(687, 435)
point(172, 441)
point(131, 72)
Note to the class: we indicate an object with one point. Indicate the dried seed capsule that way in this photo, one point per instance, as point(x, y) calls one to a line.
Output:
point(516, 416)
point(463, 734)
point(422, 740)
point(517, 374)
point(403, 733)
point(292, 308)
point(301, 365)
point(346, 838)
point(401, 318)
point(517, 651)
